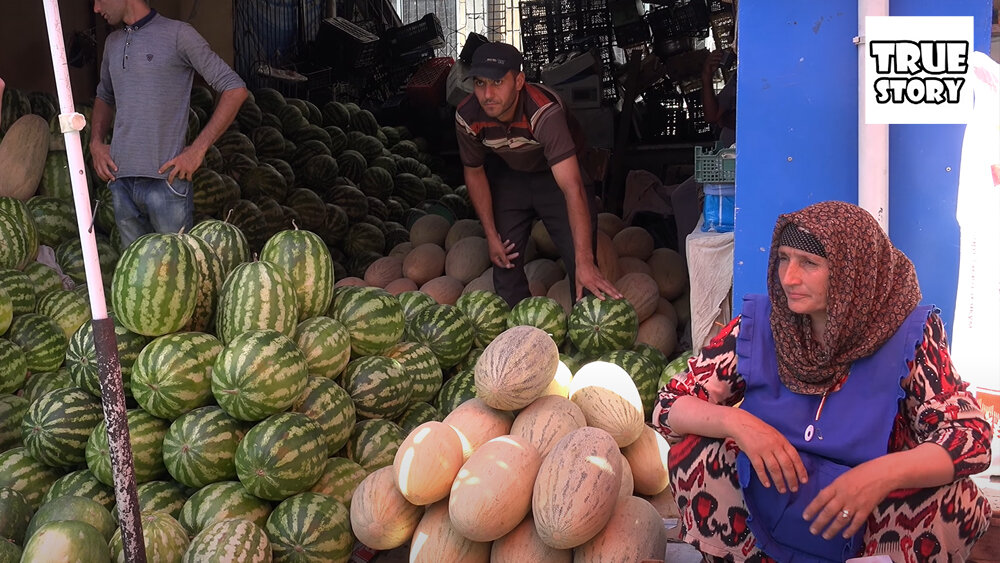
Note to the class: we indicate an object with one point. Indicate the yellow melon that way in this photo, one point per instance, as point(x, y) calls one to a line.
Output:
point(461, 229)
point(467, 259)
point(477, 423)
point(647, 457)
point(381, 517)
point(435, 540)
point(609, 400)
point(669, 271)
point(516, 367)
point(660, 332)
point(609, 223)
point(444, 289)
point(427, 462)
point(491, 494)
point(383, 271)
point(545, 421)
point(424, 263)
point(559, 385)
point(431, 228)
point(666, 308)
point(640, 290)
point(634, 241)
point(631, 264)
point(633, 533)
point(522, 545)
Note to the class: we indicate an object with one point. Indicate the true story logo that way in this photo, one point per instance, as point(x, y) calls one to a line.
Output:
point(916, 69)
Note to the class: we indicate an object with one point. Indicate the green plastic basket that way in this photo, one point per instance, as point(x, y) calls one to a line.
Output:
point(715, 166)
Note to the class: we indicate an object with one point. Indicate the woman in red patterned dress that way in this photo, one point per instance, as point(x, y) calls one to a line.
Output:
point(827, 420)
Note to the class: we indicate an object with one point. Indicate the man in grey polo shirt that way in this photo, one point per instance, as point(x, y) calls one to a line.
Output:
point(145, 87)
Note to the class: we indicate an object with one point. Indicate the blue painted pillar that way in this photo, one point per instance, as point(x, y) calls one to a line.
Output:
point(797, 138)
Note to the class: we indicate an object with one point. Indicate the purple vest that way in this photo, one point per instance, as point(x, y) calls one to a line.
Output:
point(854, 427)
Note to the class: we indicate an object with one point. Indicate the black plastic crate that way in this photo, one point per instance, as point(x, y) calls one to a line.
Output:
point(698, 128)
point(633, 34)
point(690, 18)
point(425, 32)
point(350, 45)
point(723, 28)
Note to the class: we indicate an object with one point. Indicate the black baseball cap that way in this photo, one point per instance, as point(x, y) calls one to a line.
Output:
point(493, 60)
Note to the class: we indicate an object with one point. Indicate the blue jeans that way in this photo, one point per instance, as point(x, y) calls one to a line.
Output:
point(147, 205)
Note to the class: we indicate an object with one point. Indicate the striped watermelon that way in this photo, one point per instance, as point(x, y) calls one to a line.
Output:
point(56, 427)
point(10, 552)
point(268, 142)
point(256, 296)
point(376, 182)
point(200, 446)
point(211, 275)
point(330, 406)
point(227, 240)
point(306, 260)
point(55, 177)
point(19, 289)
point(69, 541)
point(281, 456)
point(421, 368)
point(488, 313)
point(417, 413)
point(410, 188)
point(674, 367)
point(13, 366)
point(349, 198)
point(211, 192)
point(77, 508)
point(81, 356)
point(15, 515)
point(155, 285)
point(41, 339)
point(26, 475)
point(319, 171)
point(458, 389)
point(146, 434)
point(336, 114)
point(227, 541)
point(310, 208)
point(652, 354)
point(445, 330)
point(12, 411)
point(44, 381)
point(82, 483)
point(67, 308)
point(259, 373)
point(352, 165)
point(340, 477)
point(69, 257)
point(43, 279)
point(326, 345)
point(540, 312)
point(470, 359)
point(596, 327)
point(219, 501)
point(19, 212)
point(162, 496)
point(642, 371)
point(6, 310)
point(373, 443)
point(173, 373)
point(378, 386)
point(162, 535)
point(312, 527)
point(14, 242)
point(373, 317)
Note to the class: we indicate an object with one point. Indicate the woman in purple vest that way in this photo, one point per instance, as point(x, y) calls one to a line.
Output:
point(854, 437)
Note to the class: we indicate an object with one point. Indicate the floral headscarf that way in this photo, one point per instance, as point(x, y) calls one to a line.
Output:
point(873, 288)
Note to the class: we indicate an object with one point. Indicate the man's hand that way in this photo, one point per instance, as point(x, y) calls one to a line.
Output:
point(502, 253)
point(588, 276)
point(100, 154)
point(184, 164)
point(857, 491)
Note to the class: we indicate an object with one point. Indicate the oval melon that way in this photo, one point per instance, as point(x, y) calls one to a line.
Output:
point(436, 540)
point(559, 385)
point(431, 228)
point(544, 422)
point(352, 281)
point(492, 492)
point(381, 517)
point(397, 286)
point(640, 290)
point(383, 271)
point(401, 249)
point(545, 271)
point(424, 263)
point(427, 462)
point(607, 256)
point(543, 241)
point(560, 292)
point(631, 264)
point(461, 229)
point(647, 457)
point(516, 367)
point(628, 480)
point(477, 423)
point(634, 241)
point(669, 272)
point(660, 332)
point(444, 289)
point(467, 259)
point(633, 517)
point(609, 400)
point(609, 223)
point(523, 544)
point(483, 282)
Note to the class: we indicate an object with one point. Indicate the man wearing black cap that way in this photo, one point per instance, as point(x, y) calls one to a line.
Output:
point(519, 150)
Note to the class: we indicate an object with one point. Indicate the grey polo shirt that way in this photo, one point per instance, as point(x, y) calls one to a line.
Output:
point(146, 75)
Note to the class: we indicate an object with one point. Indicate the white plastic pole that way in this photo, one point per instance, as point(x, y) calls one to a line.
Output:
point(105, 342)
point(873, 140)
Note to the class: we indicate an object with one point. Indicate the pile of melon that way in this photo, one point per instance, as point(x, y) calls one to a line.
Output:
point(529, 470)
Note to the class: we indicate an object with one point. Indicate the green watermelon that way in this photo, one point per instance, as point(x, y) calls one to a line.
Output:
point(268, 142)
point(226, 541)
point(256, 296)
point(364, 238)
point(162, 496)
point(146, 434)
point(340, 478)
point(376, 182)
point(283, 455)
point(55, 177)
point(319, 171)
point(373, 317)
point(445, 330)
point(14, 242)
point(541, 312)
point(373, 443)
point(173, 373)
point(69, 257)
point(652, 354)
point(15, 515)
point(421, 368)
point(211, 275)
point(12, 411)
point(68, 308)
point(19, 289)
point(163, 537)
point(226, 239)
point(41, 339)
point(599, 326)
point(310, 526)
point(326, 345)
point(199, 448)
point(219, 501)
point(417, 413)
point(410, 188)
point(155, 285)
point(44, 381)
point(82, 483)
point(674, 368)
point(306, 260)
point(81, 356)
point(211, 192)
point(488, 313)
point(262, 181)
point(26, 475)
point(76, 508)
point(349, 198)
point(55, 219)
point(458, 389)
point(6, 310)
point(352, 165)
point(257, 374)
point(335, 114)
point(10, 552)
point(67, 541)
point(56, 427)
point(19, 212)
point(13, 366)
point(330, 406)
point(378, 386)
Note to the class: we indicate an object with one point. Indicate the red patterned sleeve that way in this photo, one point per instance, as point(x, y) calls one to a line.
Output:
point(939, 408)
point(711, 377)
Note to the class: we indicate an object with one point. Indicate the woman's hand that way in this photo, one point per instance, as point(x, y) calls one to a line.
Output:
point(844, 505)
point(772, 455)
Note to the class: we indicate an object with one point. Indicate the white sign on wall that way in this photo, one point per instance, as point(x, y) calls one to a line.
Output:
point(916, 69)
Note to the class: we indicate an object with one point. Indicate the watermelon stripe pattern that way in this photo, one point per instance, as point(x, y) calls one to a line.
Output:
point(540, 312)
point(488, 313)
point(211, 276)
point(340, 478)
point(326, 345)
point(227, 240)
point(173, 373)
point(155, 285)
point(457, 390)
point(161, 496)
point(82, 483)
point(19, 289)
point(219, 501)
point(13, 366)
point(281, 456)
point(596, 327)
point(373, 443)
point(256, 296)
point(643, 372)
point(12, 411)
point(68, 308)
point(259, 373)
point(14, 241)
point(56, 427)
point(229, 540)
point(378, 386)
point(81, 356)
point(421, 368)
point(310, 526)
point(373, 317)
point(26, 475)
point(41, 339)
point(306, 259)
point(200, 447)
point(445, 330)
point(416, 414)
point(164, 538)
point(330, 406)
point(146, 434)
